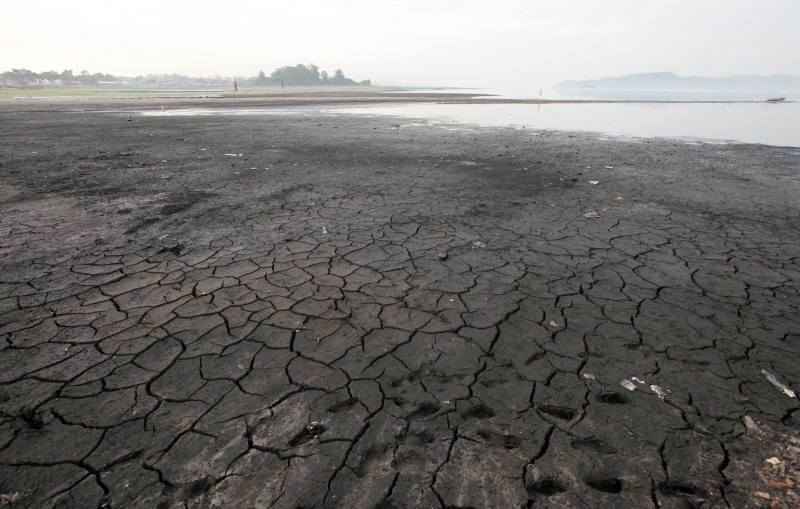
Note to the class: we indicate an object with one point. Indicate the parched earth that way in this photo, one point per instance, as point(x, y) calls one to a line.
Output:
point(299, 311)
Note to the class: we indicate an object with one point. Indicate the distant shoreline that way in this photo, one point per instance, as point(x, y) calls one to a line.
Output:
point(90, 99)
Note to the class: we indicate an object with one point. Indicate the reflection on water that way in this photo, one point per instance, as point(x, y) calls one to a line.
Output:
point(770, 124)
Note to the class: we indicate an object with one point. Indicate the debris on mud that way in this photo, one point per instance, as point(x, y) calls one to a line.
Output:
point(591, 215)
point(771, 378)
point(660, 392)
point(313, 430)
point(478, 244)
point(176, 250)
point(633, 383)
point(751, 425)
point(8, 499)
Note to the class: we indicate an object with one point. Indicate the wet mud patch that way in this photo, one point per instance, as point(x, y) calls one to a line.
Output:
point(181, 202)
point(171, 204)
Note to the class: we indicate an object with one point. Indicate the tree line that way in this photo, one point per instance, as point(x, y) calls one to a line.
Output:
point(66, 77)
point(295, 75)
point(304, 75)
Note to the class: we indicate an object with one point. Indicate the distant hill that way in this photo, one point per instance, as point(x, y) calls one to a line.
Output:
point(670, 82)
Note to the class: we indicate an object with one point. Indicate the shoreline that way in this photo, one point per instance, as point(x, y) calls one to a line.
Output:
point(307, 97)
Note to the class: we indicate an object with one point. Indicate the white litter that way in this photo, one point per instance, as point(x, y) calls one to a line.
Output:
point(660, 392)
point(638, 380)
point(594, 182)
point(609, 167)
point(324, 230)
point(589, 376)
point(234, 155)
point(478, 244)
point(627, 384)
point(591, 215)
point(771, 378)
point(554, 324)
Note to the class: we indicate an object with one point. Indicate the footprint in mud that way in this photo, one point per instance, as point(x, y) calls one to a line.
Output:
point(479, 411)
point(343, 405)
point(500, 440)
point(535, 357)
point(612, 398)
point(605, 484)
point(424, 409)
point(593, 444)
point(559, 412)
point(418, 438)
point(678, 488)
point(371, 457)
point(547, 487)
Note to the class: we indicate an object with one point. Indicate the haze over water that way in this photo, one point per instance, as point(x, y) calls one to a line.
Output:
point(767, 124)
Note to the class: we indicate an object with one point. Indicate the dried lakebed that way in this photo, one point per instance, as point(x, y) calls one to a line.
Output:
point(289, 312)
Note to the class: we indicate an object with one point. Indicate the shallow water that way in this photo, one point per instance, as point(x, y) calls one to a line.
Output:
point(770, 124)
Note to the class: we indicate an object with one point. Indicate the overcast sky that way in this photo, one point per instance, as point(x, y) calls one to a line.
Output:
point(459, 42)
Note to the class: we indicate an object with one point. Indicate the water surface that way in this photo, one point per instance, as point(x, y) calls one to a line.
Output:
point(770, 124)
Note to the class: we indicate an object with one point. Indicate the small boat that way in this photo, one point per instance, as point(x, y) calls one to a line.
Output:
point(776, 100)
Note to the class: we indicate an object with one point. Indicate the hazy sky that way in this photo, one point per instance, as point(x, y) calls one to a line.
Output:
point(459, 42)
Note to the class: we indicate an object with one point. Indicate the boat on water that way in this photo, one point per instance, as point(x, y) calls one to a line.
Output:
point(776, 100)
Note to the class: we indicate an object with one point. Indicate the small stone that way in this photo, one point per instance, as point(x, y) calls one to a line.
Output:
point(762, 495)
point(751, 425)
point(774, 461)
point(442, 256)
point(315, 428)
point(786, 484)
point(627, 384)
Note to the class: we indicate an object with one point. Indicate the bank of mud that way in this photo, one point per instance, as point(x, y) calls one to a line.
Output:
point(339, 311)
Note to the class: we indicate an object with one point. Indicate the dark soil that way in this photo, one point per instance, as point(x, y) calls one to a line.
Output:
point(358, 314)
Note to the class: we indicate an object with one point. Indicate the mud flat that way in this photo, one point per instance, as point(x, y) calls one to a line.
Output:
point(339, 311)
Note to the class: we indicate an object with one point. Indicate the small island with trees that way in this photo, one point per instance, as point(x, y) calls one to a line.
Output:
point(288, 76)
point(303, 75)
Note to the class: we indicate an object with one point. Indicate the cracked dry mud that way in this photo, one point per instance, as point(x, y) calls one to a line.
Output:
point(361, 314)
